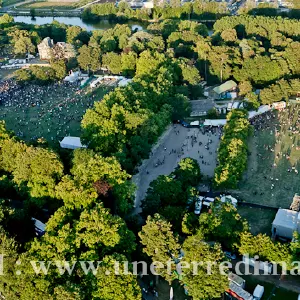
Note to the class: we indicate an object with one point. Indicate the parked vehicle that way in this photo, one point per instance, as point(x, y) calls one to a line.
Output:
point(258, 292)
point(198, 206)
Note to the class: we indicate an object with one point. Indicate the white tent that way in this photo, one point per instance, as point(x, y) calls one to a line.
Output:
point(71, 142)
point(195, 123)
point(73, 77)
point(124, 82)
point(217, 122)
point(230, 199)
point(262, 109)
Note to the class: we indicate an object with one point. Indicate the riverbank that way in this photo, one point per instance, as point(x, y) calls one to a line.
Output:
point(77, 21)
point(44, 13)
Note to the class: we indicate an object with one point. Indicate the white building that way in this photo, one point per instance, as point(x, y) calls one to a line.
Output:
point(71, 142)
point(286, 222)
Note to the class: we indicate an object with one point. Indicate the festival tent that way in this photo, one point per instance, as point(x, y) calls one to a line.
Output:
point(71, 142)
point(230, 199)
point(124, 82)
point(73, 77)
point(217, 122)
point(195, 123)
point(262, 109)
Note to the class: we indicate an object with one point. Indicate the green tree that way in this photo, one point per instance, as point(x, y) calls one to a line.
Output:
point(32, 13)
point(245, 87)
point(159, 242)
point(229, 35)
point(73, 33)
point(128, 61)
point(23, 75)
point(223, 224)
point(6, 19)
point(89, 234)
point(89, 58)
point(148, 62)
point(60, 69)
point(115, 286)
point(112, 61)
point(199, 283)
point(263, 246)
point(39, 170)
point(22, 43)
point(188, 172)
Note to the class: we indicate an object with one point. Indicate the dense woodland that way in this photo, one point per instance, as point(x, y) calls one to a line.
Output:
point(88, 193)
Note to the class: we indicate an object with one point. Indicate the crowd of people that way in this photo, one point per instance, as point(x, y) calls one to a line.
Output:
point(51, 111)
point(198, 144)
point(277, 142)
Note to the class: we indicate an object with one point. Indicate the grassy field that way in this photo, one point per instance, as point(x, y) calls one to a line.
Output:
point(259, 219)
point(50, 115)
point(10, 2)
point(272, 177)
point(272, 292)
point(48, 5)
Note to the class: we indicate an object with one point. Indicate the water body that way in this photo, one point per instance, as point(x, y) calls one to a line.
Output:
point(103, 24)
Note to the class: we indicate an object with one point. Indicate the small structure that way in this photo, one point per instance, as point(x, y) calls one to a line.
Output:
point(195, 124)
point(261, 110)
point(71, 142)
point(215, 122)
point(230, 199)
point(286, 222)
point(124, 81)
point(279, 105)
point(148, 4)
point(73, 77)
point(109, 80)
point(239, 281)
point(238, 292)
point(227, 90)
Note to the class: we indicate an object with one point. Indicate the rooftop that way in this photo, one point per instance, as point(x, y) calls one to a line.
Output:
point(286, 218)
point(226, 86)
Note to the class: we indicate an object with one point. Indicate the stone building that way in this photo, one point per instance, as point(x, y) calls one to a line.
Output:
point(47, 49)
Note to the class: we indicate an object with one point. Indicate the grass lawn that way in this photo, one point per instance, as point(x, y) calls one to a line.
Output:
point(273, 154)
point(272, 292)
point(10, 2)
point(48, 5)
point(51, 115)
point(259, 219)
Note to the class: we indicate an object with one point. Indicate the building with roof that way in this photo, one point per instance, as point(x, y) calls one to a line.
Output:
point(226, 90)
point(286, 222)
point(47, 49)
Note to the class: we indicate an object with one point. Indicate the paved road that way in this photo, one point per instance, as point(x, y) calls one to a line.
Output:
point(174, 139)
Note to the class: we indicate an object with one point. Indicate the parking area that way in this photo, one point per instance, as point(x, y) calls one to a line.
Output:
point(177, 143)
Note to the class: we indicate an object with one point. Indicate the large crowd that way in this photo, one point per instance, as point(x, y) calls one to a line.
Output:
point(284, 126)
point(35, 111)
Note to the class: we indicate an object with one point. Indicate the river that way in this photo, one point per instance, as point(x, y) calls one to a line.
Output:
point(103, 24)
